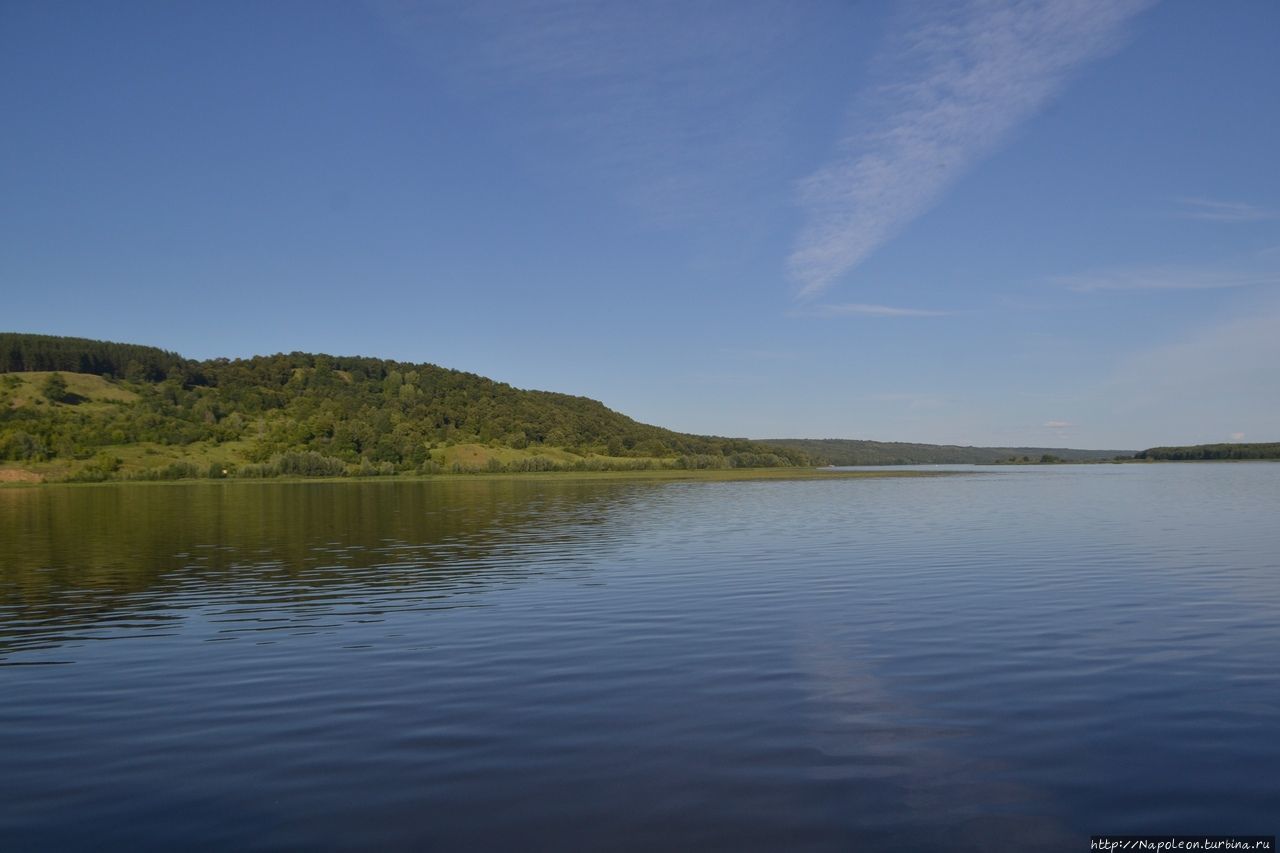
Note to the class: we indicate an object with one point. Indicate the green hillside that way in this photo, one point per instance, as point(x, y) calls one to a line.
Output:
point(842, 451)
point(72, 408)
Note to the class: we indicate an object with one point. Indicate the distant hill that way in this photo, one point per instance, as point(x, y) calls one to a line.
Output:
point(84, 409)
point(1212, 451)
point(845, 451)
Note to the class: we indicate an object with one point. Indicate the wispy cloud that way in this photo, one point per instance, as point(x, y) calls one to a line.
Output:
point(1210, 210)
point(1058, 424)
point(856, 309)
point(957, 84)
point(1169, 278)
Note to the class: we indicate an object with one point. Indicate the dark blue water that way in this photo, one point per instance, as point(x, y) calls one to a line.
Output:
point(1012, 659)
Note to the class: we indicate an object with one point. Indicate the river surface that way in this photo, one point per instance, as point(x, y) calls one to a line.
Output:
point(1016, 658)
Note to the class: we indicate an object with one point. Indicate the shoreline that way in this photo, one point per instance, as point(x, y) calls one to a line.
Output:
point(659, 474)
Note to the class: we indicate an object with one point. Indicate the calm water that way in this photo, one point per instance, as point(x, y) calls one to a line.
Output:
point(1018, 656)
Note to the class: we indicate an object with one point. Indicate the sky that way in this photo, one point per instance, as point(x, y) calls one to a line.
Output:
point(991, 222)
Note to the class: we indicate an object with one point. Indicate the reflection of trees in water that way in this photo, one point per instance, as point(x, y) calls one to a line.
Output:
point(76, 558)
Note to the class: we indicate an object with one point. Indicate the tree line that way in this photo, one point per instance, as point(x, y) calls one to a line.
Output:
point(844, 451)
point(21, 353)
point(1261, 450)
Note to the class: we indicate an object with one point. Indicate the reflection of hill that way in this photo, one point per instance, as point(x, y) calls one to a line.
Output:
point(79, 559)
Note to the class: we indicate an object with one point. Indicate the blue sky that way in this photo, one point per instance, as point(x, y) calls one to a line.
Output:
point(979, 222)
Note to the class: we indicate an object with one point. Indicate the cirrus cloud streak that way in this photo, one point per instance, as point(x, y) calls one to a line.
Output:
point(957, 84)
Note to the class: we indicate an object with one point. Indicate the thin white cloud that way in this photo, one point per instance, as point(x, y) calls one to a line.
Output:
point(1237, 436)
point(1058, 424)
point(1210, 210)
point(958, 83)
point(1169, 278)
point(856, 309)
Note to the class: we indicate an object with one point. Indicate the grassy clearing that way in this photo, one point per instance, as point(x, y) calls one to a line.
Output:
point(478, 455)
point(138, 457)
point(91, 393)
point(475, 457)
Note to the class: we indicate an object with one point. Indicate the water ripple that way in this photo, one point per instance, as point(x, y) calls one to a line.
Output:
point(1014, 657)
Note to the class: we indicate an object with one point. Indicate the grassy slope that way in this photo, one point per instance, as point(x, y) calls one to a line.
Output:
point(94, 393)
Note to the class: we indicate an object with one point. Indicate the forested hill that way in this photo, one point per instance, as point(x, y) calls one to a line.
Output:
point(86, 406)
point(1213, 451)
point(842, 451)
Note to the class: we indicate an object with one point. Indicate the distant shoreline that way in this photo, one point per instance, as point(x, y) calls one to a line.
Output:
point(663, 474)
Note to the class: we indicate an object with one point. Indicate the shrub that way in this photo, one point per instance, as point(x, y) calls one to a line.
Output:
point(309, 464)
